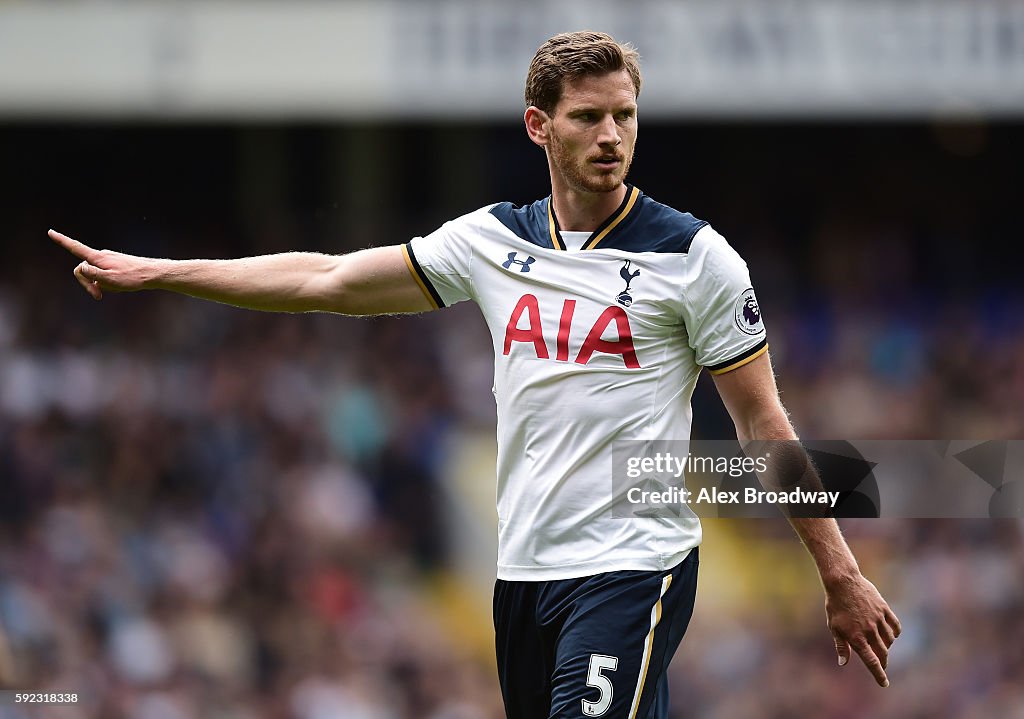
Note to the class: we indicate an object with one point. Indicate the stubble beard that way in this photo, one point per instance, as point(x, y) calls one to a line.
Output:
point(580, 175)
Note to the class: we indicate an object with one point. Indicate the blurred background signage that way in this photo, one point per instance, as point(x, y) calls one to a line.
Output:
point(459, 59)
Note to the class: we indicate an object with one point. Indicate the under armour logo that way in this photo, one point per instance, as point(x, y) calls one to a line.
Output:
point(524, 265)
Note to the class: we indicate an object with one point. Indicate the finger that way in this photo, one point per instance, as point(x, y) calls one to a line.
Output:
point(73, 246)
point(872, 662)
point(893, 621)
point(843, 650)
point(879, 647)
point(886, 633)
point(87, 284)
point(90, 286)
point(93, 273)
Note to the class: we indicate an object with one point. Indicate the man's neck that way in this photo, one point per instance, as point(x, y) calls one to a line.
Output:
point(585, 211)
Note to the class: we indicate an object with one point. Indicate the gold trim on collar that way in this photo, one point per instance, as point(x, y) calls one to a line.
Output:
point(592, 242)
point(556, 240)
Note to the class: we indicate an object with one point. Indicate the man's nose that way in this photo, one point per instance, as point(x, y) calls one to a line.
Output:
point(609, 132)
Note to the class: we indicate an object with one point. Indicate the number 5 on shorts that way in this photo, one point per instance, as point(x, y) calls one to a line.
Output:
point(598, 664)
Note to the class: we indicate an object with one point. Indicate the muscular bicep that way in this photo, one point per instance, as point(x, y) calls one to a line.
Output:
point(752, 399)
point(374, 282)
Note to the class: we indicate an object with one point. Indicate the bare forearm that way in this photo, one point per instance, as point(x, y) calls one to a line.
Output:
point(786, 465)
point(791, 467)
point(858, 616)
point(288, 282)
point(825, 543)
point(368, 282)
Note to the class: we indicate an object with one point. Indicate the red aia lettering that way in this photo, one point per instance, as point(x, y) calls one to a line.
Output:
point(564, 326)
point(534, 333)
point(622, 346)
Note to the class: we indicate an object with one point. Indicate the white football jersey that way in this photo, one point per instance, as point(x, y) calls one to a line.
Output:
point(594, 345)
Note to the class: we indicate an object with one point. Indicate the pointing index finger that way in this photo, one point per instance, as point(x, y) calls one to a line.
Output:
point(872, 662)
point(75, 247)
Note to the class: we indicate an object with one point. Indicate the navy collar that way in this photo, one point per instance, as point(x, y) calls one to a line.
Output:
point(629, 202)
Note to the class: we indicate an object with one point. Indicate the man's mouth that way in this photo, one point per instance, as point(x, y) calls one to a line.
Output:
point(607, 162)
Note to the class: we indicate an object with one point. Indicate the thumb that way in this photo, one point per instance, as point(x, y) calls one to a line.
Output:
point(92, 272)
point(843, 650)
point(87, 271)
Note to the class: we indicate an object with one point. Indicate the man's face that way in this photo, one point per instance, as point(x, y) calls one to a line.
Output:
point(593, 132)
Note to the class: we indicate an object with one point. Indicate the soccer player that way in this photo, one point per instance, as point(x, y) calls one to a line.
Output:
point(603, 306)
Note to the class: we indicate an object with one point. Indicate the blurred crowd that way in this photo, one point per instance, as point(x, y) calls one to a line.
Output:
point(242, 525)
point(212, 513)
point(758, 647)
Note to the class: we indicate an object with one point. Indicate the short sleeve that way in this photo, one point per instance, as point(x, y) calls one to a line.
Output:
point(440, 262)
point(721, 313)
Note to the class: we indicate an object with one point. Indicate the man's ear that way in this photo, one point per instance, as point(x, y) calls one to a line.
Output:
point(537, 122)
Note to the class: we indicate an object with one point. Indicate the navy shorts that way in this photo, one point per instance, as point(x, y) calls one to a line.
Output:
point(595, 646)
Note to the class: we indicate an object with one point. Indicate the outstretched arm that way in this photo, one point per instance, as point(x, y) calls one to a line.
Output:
point(368, 282)
point(857, 615)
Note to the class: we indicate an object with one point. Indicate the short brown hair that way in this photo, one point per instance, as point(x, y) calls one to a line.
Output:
point(572, 55)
